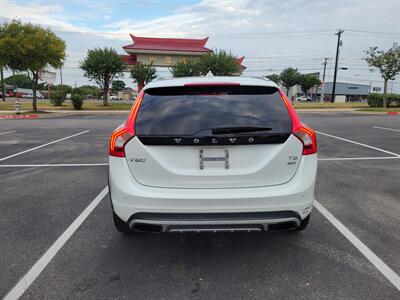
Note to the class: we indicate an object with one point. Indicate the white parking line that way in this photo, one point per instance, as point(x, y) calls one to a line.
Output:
point(55, 115)
point(357, 143)
point(39, 266)
point(359, 158)
point(384, 128)
point(44, 145)
point(91, 117)
point(375, 260)
point(7, 132)
point(54, 165)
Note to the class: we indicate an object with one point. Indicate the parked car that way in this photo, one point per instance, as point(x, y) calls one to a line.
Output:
point(304, 98)
point(212, 154)
point(113, 97)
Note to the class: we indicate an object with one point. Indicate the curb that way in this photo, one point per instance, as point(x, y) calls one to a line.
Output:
point(20, 117)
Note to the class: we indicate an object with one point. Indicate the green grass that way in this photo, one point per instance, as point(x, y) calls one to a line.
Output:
point(318, 105)
point(379, 109)
point(26, 105)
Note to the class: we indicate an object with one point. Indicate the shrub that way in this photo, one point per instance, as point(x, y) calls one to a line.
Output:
point(376, 100)
point(57, 98)
point(393, 100)
point(62, 87)
point(77, 101)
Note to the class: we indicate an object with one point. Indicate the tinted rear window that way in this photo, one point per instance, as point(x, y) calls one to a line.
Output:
point(192, 111)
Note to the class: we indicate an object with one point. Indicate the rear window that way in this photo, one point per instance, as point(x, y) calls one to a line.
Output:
point(196, 110)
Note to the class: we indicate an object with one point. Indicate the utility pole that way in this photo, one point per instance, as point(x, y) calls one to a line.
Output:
point(323, 81)
point(339, 33)
point(61, 75)
point(3, 86)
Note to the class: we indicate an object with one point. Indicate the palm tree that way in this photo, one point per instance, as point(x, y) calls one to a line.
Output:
point(143, 74)
point(219, 63)
point(185, 69)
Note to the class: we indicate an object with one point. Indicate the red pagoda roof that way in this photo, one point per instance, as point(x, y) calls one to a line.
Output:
point(239, 61)
point(167, 44)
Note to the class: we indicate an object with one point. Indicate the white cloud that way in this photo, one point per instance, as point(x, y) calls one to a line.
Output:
point(51, 15)
point(271, 34)
point(196, 20)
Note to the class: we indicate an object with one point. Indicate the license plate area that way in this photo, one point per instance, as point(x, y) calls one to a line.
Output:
point(214, 158)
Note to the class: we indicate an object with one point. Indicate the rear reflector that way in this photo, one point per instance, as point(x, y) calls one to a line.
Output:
point(125, 132)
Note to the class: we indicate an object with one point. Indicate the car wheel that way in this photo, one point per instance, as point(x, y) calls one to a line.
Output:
point(303, 224)
point(121, 225)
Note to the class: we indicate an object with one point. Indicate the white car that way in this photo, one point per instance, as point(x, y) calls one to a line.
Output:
point(212, 154)
point(303, 99)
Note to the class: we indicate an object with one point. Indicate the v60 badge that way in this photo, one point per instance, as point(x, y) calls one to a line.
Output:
point(138, 160)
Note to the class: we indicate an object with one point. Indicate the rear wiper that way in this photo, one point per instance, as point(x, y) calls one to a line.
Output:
point(239, 129)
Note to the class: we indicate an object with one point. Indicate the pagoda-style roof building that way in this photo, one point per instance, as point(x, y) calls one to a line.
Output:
point(164, 52)
point(167, 45)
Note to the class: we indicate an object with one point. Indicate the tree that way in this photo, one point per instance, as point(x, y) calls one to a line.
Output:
point(2, 66)
point(143, 74)
point(308, 81)
point(185, 69)
point(388, 64)
point(219, 63)
point(289, 77)
point(117, 85)
point(21, 80)
point(274, 78)
point(32, 49)
point(102, 66)
point(2, 84)
point(88, 91)
point(64, 88)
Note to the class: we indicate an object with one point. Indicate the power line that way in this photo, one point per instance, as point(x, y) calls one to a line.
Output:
point(373, 32)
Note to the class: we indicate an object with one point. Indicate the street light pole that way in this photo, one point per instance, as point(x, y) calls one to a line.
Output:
point(3, 85)
point(339, 33)
point(323, 81)
point(61, 75)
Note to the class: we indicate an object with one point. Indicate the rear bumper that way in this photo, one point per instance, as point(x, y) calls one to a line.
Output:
point(214, 222)
point(129, 198)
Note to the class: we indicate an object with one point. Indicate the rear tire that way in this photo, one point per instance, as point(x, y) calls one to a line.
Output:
point(121, 225)
point(303, 224)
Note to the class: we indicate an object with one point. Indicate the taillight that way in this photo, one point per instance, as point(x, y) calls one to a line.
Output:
point(306, 135)
point(308, 138)
point(125, 132)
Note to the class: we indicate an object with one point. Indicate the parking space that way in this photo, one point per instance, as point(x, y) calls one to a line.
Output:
point(39, 203)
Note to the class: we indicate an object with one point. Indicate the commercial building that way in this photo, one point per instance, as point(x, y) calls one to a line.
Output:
point(345, 92)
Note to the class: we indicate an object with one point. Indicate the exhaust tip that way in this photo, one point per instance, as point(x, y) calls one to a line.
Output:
point(144, 227)
point(282, 226)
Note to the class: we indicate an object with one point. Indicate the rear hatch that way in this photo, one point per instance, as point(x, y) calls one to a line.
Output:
point(213, 137)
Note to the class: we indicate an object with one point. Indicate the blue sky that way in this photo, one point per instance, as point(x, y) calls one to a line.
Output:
point(270, 34)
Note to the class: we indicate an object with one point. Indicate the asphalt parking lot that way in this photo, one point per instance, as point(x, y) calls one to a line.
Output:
point(53, 173)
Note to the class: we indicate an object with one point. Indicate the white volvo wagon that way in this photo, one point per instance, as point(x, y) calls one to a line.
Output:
point(212, 154)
